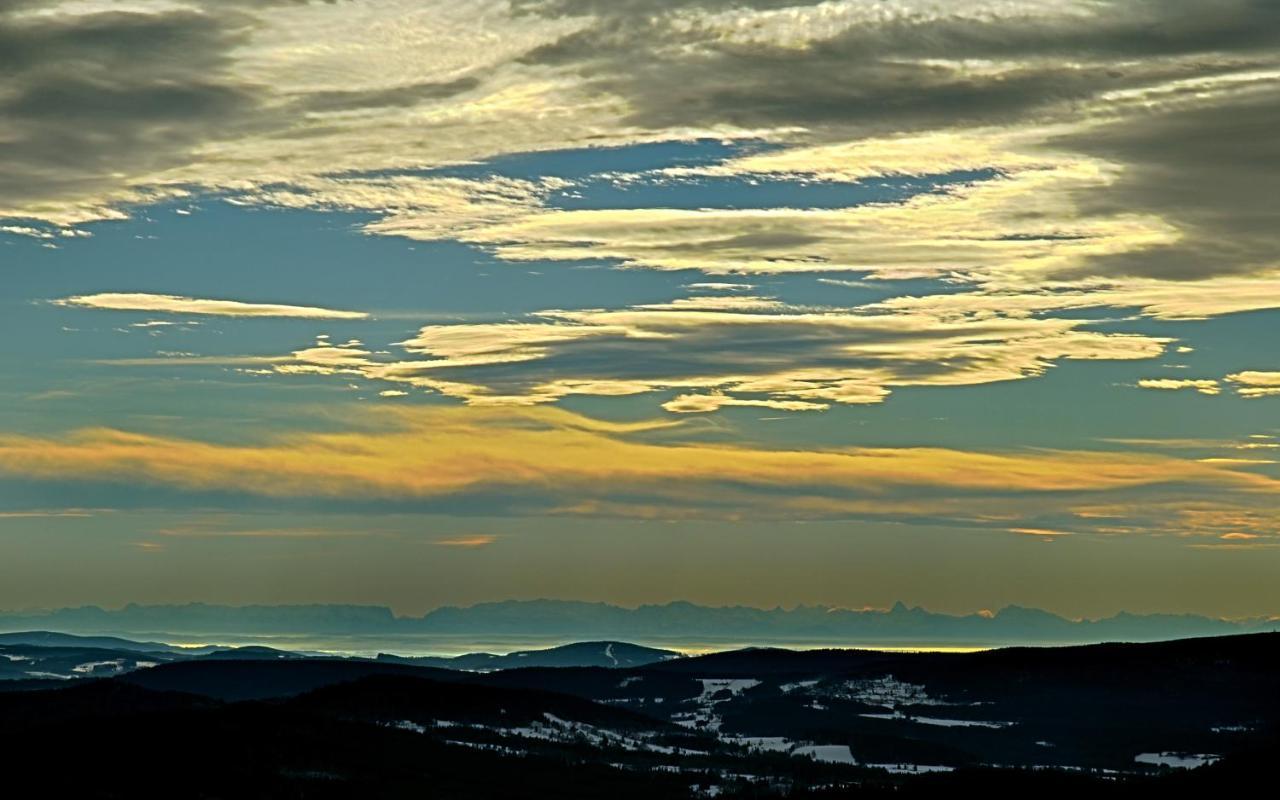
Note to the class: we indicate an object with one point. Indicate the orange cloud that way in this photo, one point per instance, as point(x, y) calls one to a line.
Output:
point(47, 513)
point(577, 464)
point(1045, 532)
point(469, 541)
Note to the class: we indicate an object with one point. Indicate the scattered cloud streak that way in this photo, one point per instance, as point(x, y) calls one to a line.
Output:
point(1255, 384)
point(1203, 386)
point(173, 304)
point(469, 541)
point(56, 513)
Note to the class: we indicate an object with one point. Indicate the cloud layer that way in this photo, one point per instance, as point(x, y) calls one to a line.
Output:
point(553, 461)
point(1079, 158)
point(747, 351)
point(1103, 112)
point(1076, 159)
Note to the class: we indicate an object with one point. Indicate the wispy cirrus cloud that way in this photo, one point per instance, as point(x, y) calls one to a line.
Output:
point(50, 513)
point(1207, 386)
point(1249, 384)
point(174, 304)
point(471, 541)
point(219, 532)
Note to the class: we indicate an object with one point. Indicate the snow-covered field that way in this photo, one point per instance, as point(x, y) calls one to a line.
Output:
point(555, 729)
point(911, 769)
point(704, 716)
point(734, 686)
point(831, 753)
point(771, 744)
point(887, 691)
point(92, 667)
point(940, 722)
point(1176, 760)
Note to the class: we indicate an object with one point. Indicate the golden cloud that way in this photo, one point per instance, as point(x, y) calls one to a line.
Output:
point(1253, 383)
point(577, 464)
point(173, 304)
point(1203, 386)
point(469, 541)
point(746, 352)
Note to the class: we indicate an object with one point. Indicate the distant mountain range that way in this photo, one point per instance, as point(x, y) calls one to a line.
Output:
point(670, 622)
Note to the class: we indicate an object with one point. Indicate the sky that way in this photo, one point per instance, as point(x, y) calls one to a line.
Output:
point(758, 302)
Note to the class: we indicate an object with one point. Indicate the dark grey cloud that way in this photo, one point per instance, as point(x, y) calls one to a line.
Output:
point(884, 74)
point(643, 8)
point(1211, 170)
point(1206, 166)
point(92, 102)
point(86, 98)
point(1130, 27)
point(400, 96)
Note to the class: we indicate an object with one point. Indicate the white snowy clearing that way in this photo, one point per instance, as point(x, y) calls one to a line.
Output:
point(1176, 760)
point(831, 753)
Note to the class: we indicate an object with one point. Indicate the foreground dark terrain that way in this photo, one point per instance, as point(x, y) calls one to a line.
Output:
point(112, 718)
